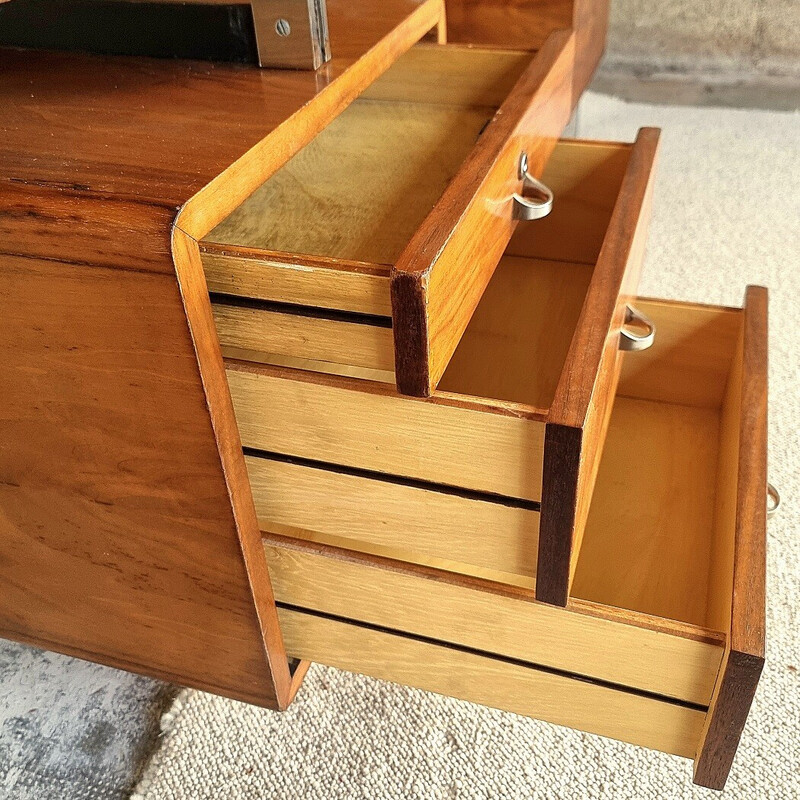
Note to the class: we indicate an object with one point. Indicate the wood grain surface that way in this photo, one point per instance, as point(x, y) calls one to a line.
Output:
point(119, 541)
point(676, 661)
point(584, 396)
point(479, 678)
point(370, 426)
point(641, 550)
point(745, 649)
point(422, 523)
point(127, 521)
point(267, 329)
point(507, 23)
point(441, 275)
point(361, 188)
point(319, 282)
point(527, 23)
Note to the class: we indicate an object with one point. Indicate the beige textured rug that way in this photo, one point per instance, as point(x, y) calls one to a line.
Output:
point(727, 213)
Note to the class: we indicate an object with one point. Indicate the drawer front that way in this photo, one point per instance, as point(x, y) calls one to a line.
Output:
point(506, 685)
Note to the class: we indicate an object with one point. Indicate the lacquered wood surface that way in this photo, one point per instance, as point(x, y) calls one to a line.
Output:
point(527, 23)
point(118, 540)
point(469, 675)
point(677, 661)
point(127, 521)
point(158, 132)
point(439, 278)
point(746, 581)
point(507, 23)
point(584, 396)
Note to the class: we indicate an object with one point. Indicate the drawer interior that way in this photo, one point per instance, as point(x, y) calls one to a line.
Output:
point(358, 191)
point(515, 345)
point(652, 603)
point(658, 540)
point(517, 341)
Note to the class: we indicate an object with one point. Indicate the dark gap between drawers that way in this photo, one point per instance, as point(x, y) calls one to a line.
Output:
point(353, 317)
point(413, 483)
point(617, 687)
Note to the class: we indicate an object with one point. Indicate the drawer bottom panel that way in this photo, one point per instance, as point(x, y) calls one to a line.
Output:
point(552, 696)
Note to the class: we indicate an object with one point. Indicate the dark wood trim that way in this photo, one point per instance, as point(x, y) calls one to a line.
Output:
point(744, 661)
point(562, 463)
point(727, 715)
point(410, 333)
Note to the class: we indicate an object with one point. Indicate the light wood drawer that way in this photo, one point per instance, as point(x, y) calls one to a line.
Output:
point(513, 436)
point(662, 641)
point(399, 210)
point(511, 686)
point(413, 521)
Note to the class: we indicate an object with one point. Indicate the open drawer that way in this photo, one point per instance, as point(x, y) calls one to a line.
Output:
point(511, 439)
point(662, 642)
point(372, 246)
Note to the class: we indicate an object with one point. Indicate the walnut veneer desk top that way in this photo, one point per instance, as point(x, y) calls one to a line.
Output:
point(127, 528)
point(122, 522)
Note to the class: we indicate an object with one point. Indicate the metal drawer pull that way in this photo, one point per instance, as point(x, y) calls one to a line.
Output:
point(628, 340)
point(524, 207)
point(773, 500)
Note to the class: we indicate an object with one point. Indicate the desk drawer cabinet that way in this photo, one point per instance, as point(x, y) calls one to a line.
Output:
point(512, 437)
point(397, 211)
point(661, 642)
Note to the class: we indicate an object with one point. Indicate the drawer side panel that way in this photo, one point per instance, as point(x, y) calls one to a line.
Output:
point(396, 596)
point(418, 523)
point(441, 275)
point(582, 406)
point(316, 417)
point(735, 689)
point(645, 721)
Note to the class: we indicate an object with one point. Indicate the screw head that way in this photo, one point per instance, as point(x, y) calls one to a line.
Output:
point(282, 27)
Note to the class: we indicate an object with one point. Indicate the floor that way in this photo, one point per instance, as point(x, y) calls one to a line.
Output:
point(76, 731)
point(70, 730)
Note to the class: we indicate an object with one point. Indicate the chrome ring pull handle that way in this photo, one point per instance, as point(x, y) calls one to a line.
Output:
point(526, 208)
point(630, 340)
point(773, 501)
